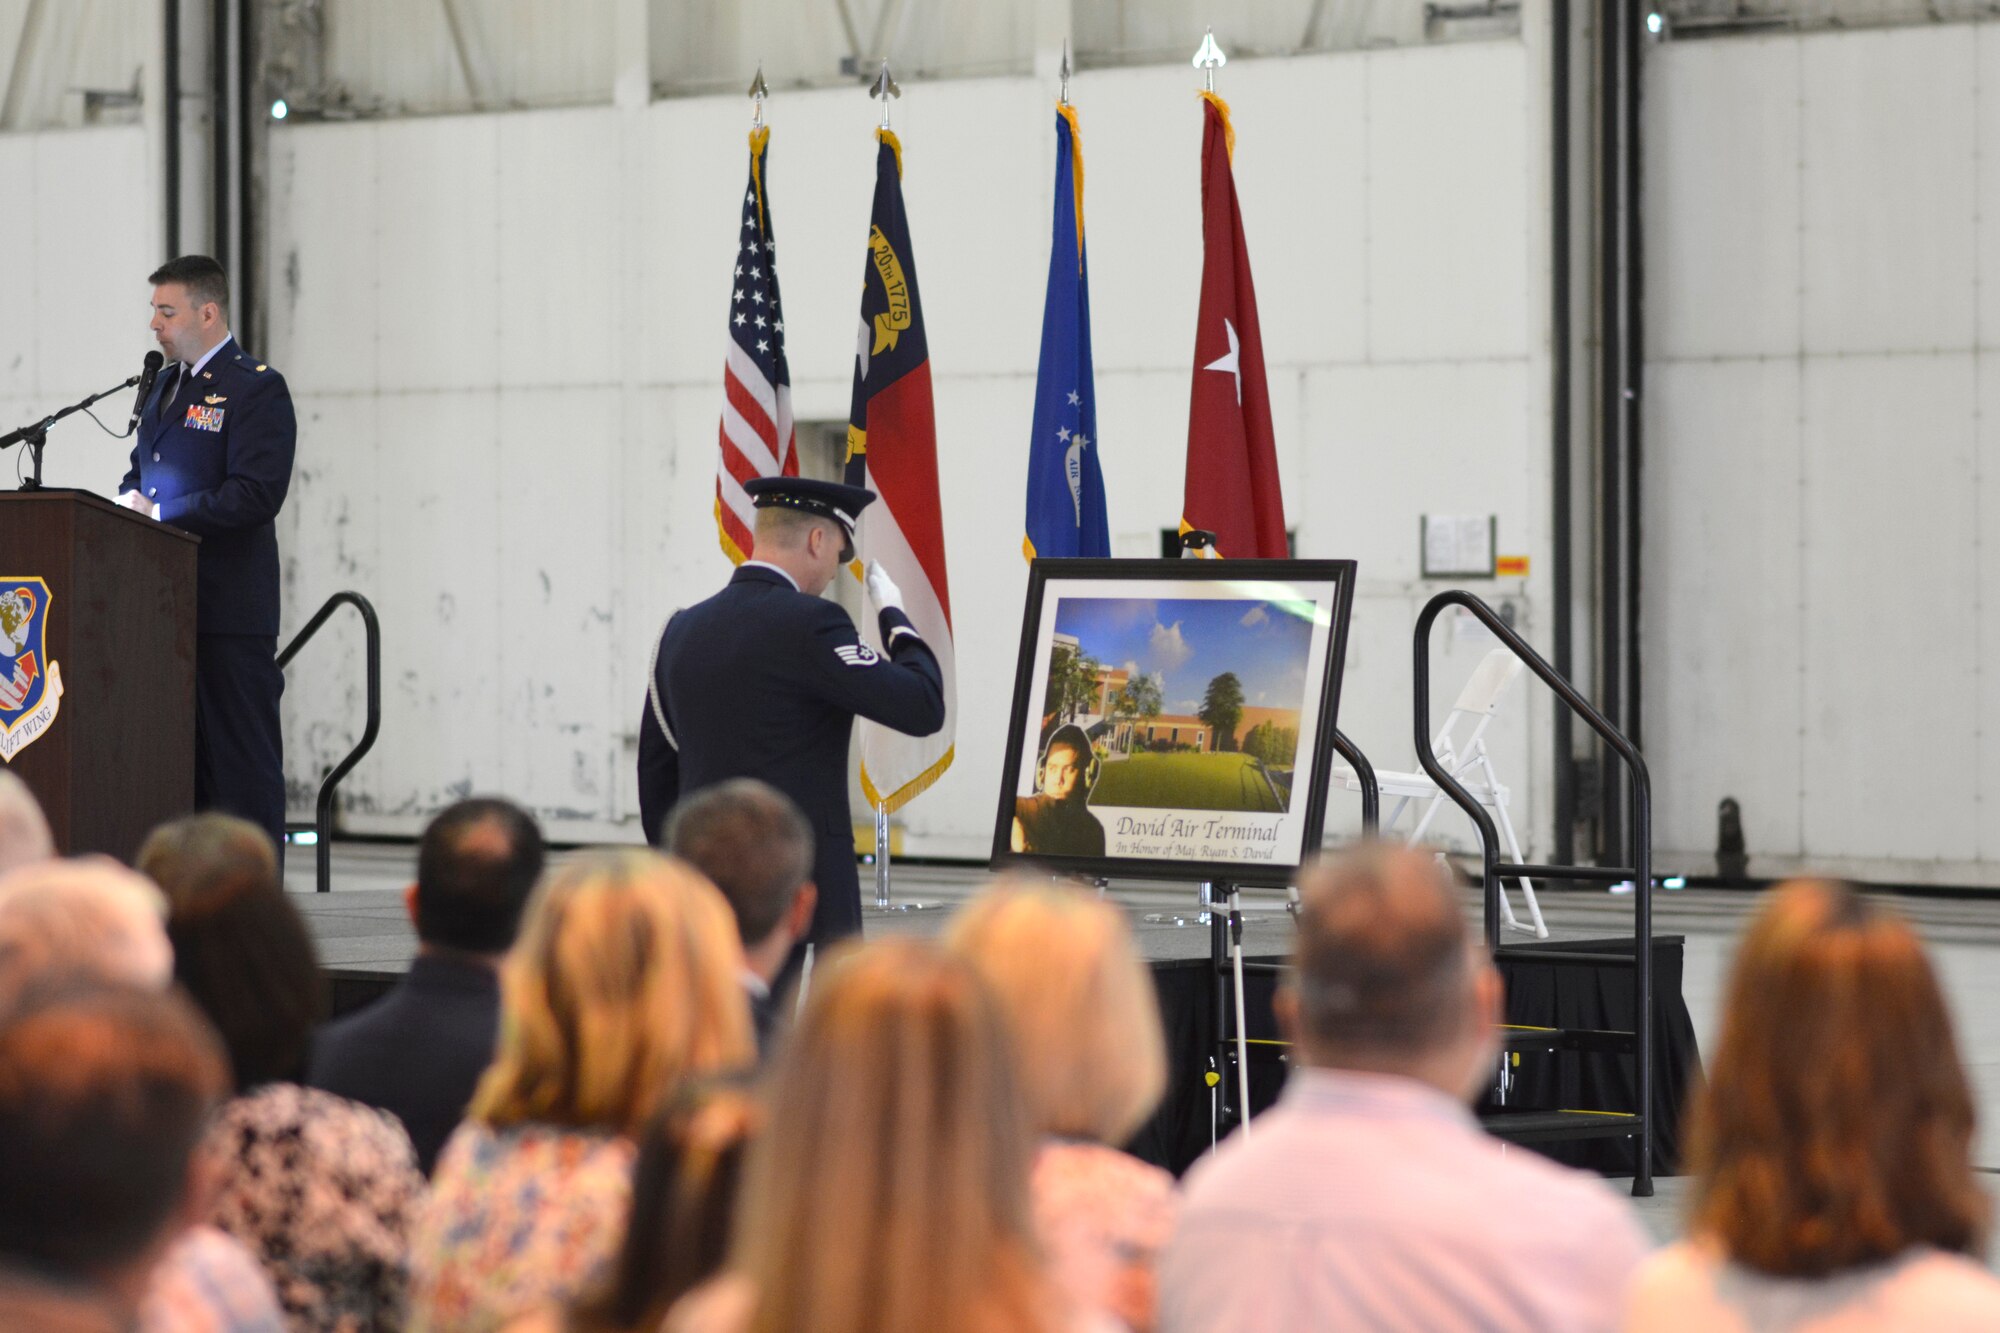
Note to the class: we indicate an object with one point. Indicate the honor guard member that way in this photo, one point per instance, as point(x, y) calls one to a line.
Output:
point(214, 457)
point(764, 680)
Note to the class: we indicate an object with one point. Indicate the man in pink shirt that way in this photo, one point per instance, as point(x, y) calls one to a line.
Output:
point(1369, 1197)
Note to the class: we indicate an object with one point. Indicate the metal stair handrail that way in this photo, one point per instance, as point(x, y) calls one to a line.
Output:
point(1641, 861)
point(323, 813)
point(1364, 774)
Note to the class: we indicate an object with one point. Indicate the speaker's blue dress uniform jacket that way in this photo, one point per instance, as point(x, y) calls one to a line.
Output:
point(214, 455)
point(764, 681)
point(217, 460)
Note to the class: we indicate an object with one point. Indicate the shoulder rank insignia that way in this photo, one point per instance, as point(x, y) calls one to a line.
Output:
point(215, 398)
point(261, 366)
point(857, 654)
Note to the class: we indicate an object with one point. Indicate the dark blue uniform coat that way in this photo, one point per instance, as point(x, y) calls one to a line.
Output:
point(214, 454)
point(763, 681)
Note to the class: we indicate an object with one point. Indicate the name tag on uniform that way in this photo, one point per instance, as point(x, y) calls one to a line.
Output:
point(203, 418)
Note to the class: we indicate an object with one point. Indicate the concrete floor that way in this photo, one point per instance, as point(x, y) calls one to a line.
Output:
point(362, 925)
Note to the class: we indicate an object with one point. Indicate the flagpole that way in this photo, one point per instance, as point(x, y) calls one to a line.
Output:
point(885, 88)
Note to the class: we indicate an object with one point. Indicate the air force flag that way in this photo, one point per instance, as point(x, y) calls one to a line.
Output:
point(1065, 486)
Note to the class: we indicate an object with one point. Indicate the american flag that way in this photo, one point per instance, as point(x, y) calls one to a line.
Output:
point(757, 435)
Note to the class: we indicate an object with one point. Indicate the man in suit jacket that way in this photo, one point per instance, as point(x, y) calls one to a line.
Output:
point(754, 845)
point(214, 457)
point(419, 1051)
point(765, 679)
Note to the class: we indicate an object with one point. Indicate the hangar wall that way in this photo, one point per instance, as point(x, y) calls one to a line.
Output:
point(1822, 464)
point(503, 333)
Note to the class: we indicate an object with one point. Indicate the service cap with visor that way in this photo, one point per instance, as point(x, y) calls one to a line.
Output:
point(827, 499)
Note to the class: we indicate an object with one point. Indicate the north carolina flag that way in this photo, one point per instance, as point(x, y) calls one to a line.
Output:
point(757, 435)
point(892, 450)
point(1232, 461)
point(1065, 484)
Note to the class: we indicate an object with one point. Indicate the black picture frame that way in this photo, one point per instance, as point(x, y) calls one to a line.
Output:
point(1046, 576)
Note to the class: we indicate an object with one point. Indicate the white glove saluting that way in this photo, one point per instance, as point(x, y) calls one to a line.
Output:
point(882, 589)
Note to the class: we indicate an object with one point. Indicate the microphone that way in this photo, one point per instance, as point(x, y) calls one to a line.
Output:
point(145, 377)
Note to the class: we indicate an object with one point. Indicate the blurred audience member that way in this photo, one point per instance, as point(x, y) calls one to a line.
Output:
point(889, 1192)
point(418, 1052)
point(89, 918)
point(1831, 1145)
point(625, 980)
point(24, 833)
point(104, 1094)
point(1370, 1197)
point(684, 1192)
point(320, 1188)
point(1085, 1023)
point(754, 845)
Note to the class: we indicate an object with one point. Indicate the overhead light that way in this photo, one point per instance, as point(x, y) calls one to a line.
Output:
point(1656, 22)
point(279, 110)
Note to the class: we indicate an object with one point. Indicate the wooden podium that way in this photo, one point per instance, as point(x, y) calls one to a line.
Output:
point(118, 757)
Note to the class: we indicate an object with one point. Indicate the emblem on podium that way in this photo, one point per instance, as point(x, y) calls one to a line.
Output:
point(30, 685)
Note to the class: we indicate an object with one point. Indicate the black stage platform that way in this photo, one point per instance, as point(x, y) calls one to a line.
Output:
point(365, 942)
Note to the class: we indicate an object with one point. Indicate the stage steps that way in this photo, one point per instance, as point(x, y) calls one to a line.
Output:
point(1560, 1126)
point(1549, 1126)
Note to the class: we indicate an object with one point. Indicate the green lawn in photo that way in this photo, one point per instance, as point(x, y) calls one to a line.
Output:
point(1187, 782)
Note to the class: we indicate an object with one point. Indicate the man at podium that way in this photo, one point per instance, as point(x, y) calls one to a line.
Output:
point(214, 457)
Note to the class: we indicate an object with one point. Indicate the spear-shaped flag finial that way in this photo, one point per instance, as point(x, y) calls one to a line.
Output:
point(759, 90)
point(1062, 98)
point(1209, 59)
point(885, 87)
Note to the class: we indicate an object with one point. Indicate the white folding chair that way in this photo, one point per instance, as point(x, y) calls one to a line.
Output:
point(1469, 763)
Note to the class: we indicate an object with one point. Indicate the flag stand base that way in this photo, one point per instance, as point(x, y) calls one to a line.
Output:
point(882, 903)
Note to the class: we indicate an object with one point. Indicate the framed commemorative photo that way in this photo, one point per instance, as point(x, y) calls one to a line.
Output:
point(1173, 719)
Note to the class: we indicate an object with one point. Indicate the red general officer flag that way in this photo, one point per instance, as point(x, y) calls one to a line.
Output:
point(1232, 461)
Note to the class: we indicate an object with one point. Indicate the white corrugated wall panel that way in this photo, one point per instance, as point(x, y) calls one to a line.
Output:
point(1888, 190)
point(1721, 189)
point(443, 287)
point(1891, 687)
point(438, 595)
point(1724, 673)
point(560, 260)
point(556, 462)
point(326, 214)
point(1447, 204)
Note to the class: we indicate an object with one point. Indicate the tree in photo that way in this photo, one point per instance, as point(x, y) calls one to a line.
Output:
point(1139, 701)
point(1073, 683)
point(1273, 746)
point(1222, 709)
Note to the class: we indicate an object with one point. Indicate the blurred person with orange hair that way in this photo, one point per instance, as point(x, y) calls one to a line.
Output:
point(1831, 1144)
point(624, 981)
point(1080, 1007)
point(889, 1192)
